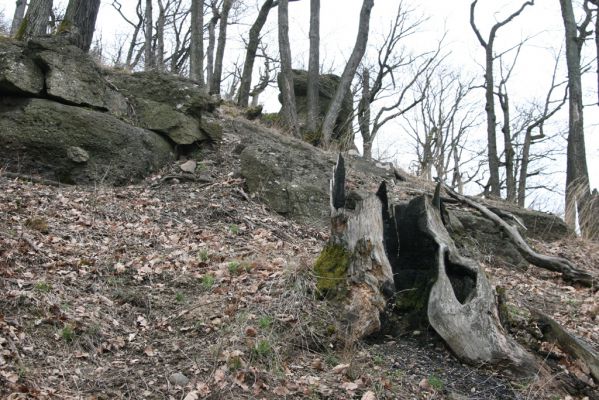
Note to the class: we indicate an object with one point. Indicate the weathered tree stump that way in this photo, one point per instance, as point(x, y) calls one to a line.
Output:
point(379, 252)
point(353, 267)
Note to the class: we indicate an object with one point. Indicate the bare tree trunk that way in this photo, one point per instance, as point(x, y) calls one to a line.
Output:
point(160, 24)
point(36, 20)
point(510, 180)
point(196, 59)
point(149, 24)
point(250, 55)
point(577, 176)
point(211, 43)
point(364, 116)
point(18, 16)
point(524, 167)
point(313, 67)
point(220, 49)
point(288, 92)
point(80, 21)
point(348, 72)
point(495, 189)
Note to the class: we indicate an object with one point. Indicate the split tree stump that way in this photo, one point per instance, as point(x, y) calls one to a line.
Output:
point(378, 251)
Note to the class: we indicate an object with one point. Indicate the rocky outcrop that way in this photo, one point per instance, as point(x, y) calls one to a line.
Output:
point(327, 85)
point(171, 105)
point(75, 144)
point(64, 117)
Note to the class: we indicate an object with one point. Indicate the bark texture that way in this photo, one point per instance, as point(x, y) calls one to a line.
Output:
point(220, 48)
point(288, 93)
point(313, 67)
point(80, 22)
point(148, 29)
point(348, 73)
point(36, 20)
point(18, 16)
point(578, 193)
point(196, 59)
point(359, 233)
point(383, 251)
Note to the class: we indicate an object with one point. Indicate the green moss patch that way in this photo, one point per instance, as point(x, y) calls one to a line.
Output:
point(331, 270)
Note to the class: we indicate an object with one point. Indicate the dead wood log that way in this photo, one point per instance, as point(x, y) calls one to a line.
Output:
point(462, 305)
point(568, 270)
point(353, 267)
point(568, 342)
point(374, 255)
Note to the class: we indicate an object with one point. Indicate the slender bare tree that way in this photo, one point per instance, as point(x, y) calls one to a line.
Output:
point(149, 61)
point(487, 44)
point(18, 16)
point(250, 55)
point(288, 92)
point(135, 48)
point(440, 124)
point(196, 59)
point(267, 75)
point(220, 48)
point(313, 67)
point(578, 193)
point(348, 73)
point(385, 78)
point(214, 6)
point(35, 22)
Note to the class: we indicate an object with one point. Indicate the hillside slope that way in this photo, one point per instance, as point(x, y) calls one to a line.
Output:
point(171, 289)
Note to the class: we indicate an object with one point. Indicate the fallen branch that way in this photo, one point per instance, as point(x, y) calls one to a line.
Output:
point(569, 343)
point(180, 177)
point(568, 270)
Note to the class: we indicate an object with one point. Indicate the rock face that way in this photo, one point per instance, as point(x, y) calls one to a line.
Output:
point(63, 117)
point(170, 105)
point(75, 144)
point(327, 85)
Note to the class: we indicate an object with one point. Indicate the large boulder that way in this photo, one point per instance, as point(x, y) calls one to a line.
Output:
point(327, 86)
point(72, 77)
point(66, 118)
point(76, 145)
point(173, 106)
point(19, 74)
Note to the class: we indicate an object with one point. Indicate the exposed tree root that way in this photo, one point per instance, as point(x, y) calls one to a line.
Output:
point(568, 270)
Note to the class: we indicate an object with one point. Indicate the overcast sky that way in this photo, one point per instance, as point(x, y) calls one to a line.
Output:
point(339, 26)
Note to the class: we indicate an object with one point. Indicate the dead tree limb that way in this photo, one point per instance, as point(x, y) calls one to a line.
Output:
point(569, 343)
point(569, 271)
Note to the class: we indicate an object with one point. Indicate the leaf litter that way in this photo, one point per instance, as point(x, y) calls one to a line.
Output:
point(109, 292)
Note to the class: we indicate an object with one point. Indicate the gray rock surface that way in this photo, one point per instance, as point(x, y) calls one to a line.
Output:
point(65, 118)
point(19, 74)
point(40, 137)
point(72, 77)
point(327, 85)
point(170, 105)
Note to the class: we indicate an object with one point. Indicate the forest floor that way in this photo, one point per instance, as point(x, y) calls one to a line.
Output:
point(185, 290)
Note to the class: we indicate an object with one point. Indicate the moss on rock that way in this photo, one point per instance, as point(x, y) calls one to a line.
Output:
point(331, 269)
